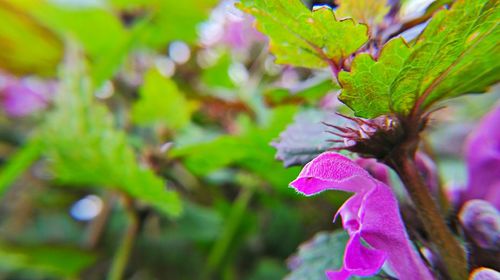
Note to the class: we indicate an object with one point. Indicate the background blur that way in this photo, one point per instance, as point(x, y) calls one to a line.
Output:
point(136, 142)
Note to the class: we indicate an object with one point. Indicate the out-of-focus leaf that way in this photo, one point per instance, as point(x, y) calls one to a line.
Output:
point(306, 137)
point(19, 32)
point(198, 223)
point(303, 38)
point(367, 88)
point(250, 150)
point(174, 20)
point(324, 252)
point(162, 102)
point(366, 11)
point(100, 32)
point(85, 148)
point(217, 75)
point(309, 91)
point(45, 260)
point(458, 53)
point(268, 269)
point(18, 163)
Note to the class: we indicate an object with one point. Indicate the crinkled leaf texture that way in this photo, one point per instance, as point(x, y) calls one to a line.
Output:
point(305, 138)
point(457, 53)
point(303, 38)
point(84, 147)
point(371, 214)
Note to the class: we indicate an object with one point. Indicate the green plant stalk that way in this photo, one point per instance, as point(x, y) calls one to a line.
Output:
point(233, 223)
point(97, 226)
point(18, 163)
point(122, 255)
point(452, 254)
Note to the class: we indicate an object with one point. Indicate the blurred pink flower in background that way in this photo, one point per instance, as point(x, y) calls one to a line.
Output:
point(24, 96)
point(483, 161)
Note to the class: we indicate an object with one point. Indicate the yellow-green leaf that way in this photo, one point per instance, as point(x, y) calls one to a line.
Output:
point(457, 53)
point(161, 102)
point(305, 38)
point(366, 88)
point(19, 33)
point(370, 12)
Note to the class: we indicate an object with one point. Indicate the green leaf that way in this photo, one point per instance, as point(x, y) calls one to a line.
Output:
point(173, 20)
point(370, 12)
point(217, 75)
point(366, 89)
point(324, 252)
point(45, 260)
point(19, 32)
point(162, 102)
point(85, 148)
point(303, 38)
point(99, 30)
point(18, 163)
point(458, 53)
point(250, 150)
point(306, 137)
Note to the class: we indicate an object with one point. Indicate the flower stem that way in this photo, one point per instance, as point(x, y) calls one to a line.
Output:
point(233, 222)
point(452, 254)
point(122, 255)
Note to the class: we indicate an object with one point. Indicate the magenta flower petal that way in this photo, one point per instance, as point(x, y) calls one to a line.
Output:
point(483, 161)
point(361, 260)
point(371, 214)
point(378, 170)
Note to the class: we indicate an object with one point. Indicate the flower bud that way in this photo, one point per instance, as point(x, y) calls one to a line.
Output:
point(481, 221)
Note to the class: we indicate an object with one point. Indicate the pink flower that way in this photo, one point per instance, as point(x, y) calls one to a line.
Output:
point(371, 214)
point(23, 97)
point(483, 161)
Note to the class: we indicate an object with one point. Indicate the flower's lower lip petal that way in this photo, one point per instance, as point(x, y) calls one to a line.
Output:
point(338, 275)
point(383, 229)
point(362, 260)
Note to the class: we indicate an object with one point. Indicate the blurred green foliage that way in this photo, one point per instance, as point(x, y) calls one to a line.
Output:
point(158, 169)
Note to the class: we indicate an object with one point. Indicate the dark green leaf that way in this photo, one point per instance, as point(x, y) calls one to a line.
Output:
point(45, 260)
